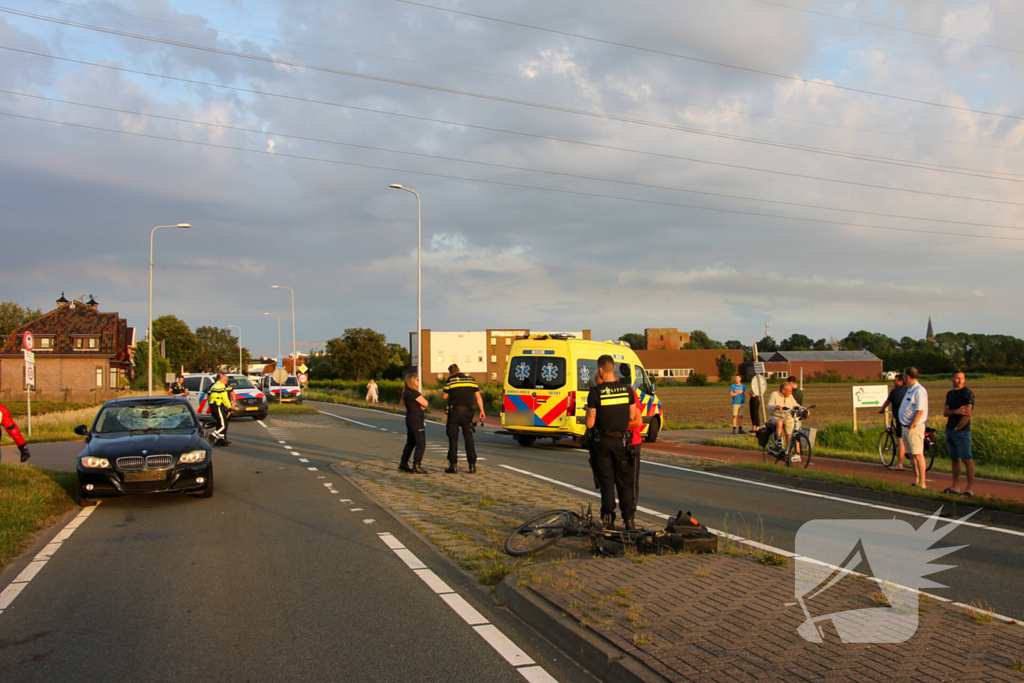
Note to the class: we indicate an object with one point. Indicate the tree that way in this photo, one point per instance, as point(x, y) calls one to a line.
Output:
point(180, 343)
point(699, 339)
point(13, 316)
point(636, 341)
point(821, 345)
point(140, 363)
point(735, 344)
point(215, 347)
point(360, 354)
point(796, 342)
point(398, 359)
point(767, 345)
point(726, 367)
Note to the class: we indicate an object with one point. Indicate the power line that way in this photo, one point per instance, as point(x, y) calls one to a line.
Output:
point(548, 107)
point(712, 62)
point(264, 132)
point(525, 79)
point(516, 185)
point(506, 131)
point(890, 28)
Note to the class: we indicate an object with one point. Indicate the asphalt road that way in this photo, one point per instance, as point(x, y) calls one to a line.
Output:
point(271, 579)
point(989, 570)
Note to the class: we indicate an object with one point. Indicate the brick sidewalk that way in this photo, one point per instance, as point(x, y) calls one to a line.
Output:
point(724, 618)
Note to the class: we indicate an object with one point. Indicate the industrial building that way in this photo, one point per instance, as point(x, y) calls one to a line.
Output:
point(679, 364)
point(860, 365)
point(481, 354)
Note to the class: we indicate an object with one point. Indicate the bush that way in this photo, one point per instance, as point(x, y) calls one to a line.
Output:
point(697, 379)
point(828, 377)
point(726, 368)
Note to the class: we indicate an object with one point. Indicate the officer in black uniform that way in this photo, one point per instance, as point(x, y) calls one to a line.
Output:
point(611, 406)
point(178, 388)
point(460, 391)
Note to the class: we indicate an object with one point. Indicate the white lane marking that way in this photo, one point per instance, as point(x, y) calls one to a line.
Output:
point(490, 633)
point(433, 581)
point(321, 477)
point(369, 521)
point(345, 500)
point(304, 460)
point(42, 557)
point(311, 469)
point(382, 429)
point(260, 423)
point(814, 494)
point(369, 410)
point(356, 510)
point(288, 448)
point(760, 546)
point(281, 442)
point(348, 419)
point(505, 647)
point(465, 610)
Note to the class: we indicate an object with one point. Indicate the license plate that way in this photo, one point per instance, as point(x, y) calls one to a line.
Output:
point(146, 475)
point(257, 408)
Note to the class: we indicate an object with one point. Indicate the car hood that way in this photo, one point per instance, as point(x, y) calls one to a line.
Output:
point(115, 446)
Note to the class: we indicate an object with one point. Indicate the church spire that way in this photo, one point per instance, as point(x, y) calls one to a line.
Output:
point(930, 335)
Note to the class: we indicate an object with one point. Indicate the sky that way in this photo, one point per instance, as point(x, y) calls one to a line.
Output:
point(820, 166)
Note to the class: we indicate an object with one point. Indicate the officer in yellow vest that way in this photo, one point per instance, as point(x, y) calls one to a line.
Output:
point(611, 406)
point(461, 391)
point(222, 402)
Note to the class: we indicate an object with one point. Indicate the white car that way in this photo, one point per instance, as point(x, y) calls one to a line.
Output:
point(289, 392)
point(250, 400)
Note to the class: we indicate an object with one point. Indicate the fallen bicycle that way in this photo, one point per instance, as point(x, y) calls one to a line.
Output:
point(682, 534)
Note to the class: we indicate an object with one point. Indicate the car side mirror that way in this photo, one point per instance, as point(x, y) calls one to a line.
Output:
point(654, 388)
point(82, 430)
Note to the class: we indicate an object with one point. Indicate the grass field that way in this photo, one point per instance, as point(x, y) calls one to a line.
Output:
point(30, 498)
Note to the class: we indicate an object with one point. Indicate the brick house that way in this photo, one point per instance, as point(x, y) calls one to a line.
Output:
point(679, 364)
point(79, 349)
point(666, 339)
point(859, 365)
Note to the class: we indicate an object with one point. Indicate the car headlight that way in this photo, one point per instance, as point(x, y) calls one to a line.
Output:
point(192, 456)
point(95, 463)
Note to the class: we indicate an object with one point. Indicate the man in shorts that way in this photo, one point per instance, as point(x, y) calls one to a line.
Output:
point(913, 414)
point(738, 394)
point(895, 400)
point(780, 406)
point(957, 411)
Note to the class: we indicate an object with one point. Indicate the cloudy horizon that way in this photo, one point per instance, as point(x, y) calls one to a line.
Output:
point(560, 176)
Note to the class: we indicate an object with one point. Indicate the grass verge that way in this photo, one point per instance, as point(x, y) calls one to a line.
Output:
point(291, 409)
point(31, 498)
point(990, 502)
point(58, 426)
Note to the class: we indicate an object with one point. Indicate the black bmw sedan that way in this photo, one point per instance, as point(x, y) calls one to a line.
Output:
point(148, 444)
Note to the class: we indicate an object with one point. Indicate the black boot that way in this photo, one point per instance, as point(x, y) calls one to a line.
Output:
point(416, 469)
point(608, 521)
point(404, 467)
point(628, 523)
point(472, 468)
point(452, 469)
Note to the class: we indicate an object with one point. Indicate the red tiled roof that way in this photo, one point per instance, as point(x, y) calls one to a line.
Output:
point(75, 319)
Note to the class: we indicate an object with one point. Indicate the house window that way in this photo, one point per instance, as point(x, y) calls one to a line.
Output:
point(494, 359)
point(508, 341)
point(78, 343)
point(480, 359)
point(93, 342)
point(494, 375)
point(46, 343)
point(99, 378)
point(113, 378)
point(494, 341)
point(467, 358)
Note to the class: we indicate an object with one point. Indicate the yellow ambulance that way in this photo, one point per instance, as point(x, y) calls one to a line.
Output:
point(547, 381)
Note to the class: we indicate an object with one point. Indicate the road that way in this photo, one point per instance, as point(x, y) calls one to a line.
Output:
point(277, 577)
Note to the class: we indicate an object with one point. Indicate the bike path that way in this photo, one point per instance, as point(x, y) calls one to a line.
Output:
point(989, 569)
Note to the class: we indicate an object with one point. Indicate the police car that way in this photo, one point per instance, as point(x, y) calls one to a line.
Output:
point(289, 392)
point(251, 401)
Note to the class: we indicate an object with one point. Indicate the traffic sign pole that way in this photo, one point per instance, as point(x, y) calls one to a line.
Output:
point(30, 377)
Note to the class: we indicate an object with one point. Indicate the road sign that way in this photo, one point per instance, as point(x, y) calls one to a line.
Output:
point(30, 374)
point(870, 396)
point(280, 362)
point(280, 375)
point(27, 341)
point(30, 356)
point(758, 385)
point(303, 378)
point(303, 368)
point(758, 368)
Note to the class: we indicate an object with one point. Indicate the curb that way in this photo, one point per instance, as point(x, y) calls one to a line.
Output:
point(592, 652)
point(950, 509)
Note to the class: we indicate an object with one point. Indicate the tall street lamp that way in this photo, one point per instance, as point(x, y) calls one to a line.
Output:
point(149, 341)
point(419, 285)
point(278, 332)
point(240, 370)
point(295, 348)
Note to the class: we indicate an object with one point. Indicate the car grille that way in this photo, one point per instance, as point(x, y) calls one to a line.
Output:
point(130, 463)
point(154, 462)
point(251, 402)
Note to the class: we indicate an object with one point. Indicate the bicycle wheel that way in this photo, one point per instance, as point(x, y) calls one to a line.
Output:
point(769, 454)
point(887, 448)
point(929, 455)
point(801, 441)
point(540, 532)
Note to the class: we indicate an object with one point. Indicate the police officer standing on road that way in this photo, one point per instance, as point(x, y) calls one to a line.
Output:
point(222, 402)
point(460, 391)
point(611, 406)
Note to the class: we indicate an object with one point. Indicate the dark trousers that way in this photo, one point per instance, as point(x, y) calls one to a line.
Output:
point(416, 439)
point(615, 473)
point(220, 414)
point(460, 418)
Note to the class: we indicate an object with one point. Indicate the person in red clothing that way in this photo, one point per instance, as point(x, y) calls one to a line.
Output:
point(12, 428)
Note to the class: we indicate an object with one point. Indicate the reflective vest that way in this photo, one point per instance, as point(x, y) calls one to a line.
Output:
point(220, 395)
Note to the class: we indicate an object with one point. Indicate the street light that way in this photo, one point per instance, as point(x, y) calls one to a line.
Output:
point(240, 370)
point(149, 342)
point(419, 285)
point(278, 332)
point(295, 348)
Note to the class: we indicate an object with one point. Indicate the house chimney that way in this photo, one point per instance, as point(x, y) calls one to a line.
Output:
point(92, 302)
point(62, 301)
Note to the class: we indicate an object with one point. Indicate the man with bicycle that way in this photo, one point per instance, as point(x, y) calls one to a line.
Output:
point(893, 403)
point(913, 414)
point(781, 405)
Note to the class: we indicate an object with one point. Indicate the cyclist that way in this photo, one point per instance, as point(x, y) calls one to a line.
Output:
point(781, 405)
point(895, 400)
point(11, 427)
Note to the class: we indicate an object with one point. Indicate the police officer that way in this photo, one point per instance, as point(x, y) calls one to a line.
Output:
point(460, 390)
point(178, 388)
point(222, 402)
point(611, 406)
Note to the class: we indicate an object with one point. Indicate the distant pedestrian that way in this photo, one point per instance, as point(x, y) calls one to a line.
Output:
point(178, 388)
point(913, 415)
point(738, 395)
point(755, 405)
point(415, 425)
point(12, 430)
point(371, 392)
point(895, 400)
point(798, 393)
point(958, 410)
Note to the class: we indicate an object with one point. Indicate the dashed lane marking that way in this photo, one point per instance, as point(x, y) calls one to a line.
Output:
point(369, 521)
point(345, 500)
point(305, 460)
point(311, 469)
point(501, 644)
point(355, 509)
